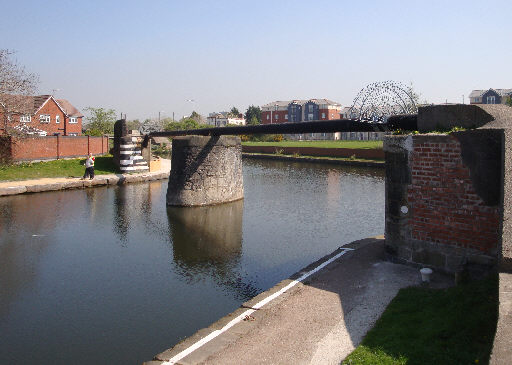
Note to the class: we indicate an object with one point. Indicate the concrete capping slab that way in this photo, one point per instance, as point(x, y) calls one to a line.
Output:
point(398, 143)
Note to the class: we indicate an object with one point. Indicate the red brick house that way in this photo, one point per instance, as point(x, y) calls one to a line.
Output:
point(39, 113)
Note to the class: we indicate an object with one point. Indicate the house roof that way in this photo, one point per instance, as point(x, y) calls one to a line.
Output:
point(479, 93)
point(28, 104)
point(300, 102)
point(324, 102)
point(280, 103)
point(25, 103)
point(68, 108)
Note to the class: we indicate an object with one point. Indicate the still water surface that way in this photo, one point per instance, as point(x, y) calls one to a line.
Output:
point(111, 275)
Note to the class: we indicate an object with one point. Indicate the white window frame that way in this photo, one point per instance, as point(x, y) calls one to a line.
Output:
point(45, 118)
point(25, 118)
point(276, 116)
point(310, 107)
point(323, 115)
point(72, 134)
point(57, 119)
point(286, 116)
point(491, 99)
point(268, 116)
point(73, 120)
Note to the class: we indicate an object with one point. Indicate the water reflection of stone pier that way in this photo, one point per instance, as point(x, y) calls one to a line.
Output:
point(208, 241)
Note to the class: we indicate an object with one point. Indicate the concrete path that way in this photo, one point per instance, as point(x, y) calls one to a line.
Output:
point(61, 183)
point(317, 321)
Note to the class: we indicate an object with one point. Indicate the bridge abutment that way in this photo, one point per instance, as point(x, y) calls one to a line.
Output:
point(205, 171)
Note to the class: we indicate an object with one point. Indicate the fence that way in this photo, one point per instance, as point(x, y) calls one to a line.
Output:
point(15, 149)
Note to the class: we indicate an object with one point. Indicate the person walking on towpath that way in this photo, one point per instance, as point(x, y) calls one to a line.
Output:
point(89, 167)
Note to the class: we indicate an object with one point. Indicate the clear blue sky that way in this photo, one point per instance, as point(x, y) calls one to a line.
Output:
point(141, 57)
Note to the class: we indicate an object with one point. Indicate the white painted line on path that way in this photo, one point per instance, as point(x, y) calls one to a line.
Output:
point(248, 312)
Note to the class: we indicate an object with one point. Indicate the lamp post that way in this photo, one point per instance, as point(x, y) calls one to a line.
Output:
point(271, 116)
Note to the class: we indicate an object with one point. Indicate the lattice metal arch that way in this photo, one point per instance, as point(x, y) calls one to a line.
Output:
point(379, 100)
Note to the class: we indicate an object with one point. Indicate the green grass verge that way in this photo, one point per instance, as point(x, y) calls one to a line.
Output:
point(427, 326)
point(58, 168)
point(321, 144)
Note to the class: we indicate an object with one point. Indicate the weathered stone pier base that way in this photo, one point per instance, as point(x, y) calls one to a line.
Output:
point(205, 171)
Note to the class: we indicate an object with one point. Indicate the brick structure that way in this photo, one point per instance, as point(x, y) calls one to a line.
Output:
point(14, 149)
point(447, 207)
point(444, 198)
point(40, 113)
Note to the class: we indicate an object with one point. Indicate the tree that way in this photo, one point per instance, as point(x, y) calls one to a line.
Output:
point(184, 124)
point(133, 124)
point(14, 81)
point(100, 121)
point(253, 115)
point(509, 101)
point(234, 112)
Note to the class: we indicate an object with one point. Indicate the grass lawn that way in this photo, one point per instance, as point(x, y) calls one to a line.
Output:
point(427, 326)
point(321, 144)
point(58, 168)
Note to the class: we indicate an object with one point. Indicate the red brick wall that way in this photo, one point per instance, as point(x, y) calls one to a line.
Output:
point(315, 151)
point(281, 117)
point(330, 114)
point(444, 207)
point(54, 147)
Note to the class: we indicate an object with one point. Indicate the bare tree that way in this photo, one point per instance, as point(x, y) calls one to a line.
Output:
point(15, 83)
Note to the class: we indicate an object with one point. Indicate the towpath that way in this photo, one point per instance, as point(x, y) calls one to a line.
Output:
point(61, 183)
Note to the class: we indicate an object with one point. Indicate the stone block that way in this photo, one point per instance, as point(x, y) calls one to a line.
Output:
point(13, 190)
point(43, 187)
point(429, 257)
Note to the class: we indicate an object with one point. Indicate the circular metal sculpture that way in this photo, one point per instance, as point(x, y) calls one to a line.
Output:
point(377, 101)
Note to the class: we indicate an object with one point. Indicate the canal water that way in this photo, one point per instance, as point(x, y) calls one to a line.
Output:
point(110, 275)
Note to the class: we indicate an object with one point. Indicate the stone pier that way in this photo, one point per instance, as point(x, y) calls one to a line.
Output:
point(205, 171)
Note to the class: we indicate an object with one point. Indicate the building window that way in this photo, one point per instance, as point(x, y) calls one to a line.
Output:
point(73, 134)
point(57, 119)
point(25, 119)
point(310, 108)
point(268, 116)
point(323, 115)
point(44, 118)
point(286, 116)
point(310, 117)
point(72, 120)
point(276, 116)
point(491, 99)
